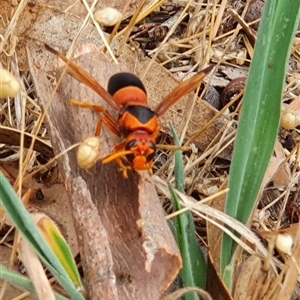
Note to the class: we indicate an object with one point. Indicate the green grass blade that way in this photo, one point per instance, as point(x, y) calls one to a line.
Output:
point(23, 221)
point(260, 114)
point(21, 281)
point(179, 168)
point(60, 248)
point(193, 272)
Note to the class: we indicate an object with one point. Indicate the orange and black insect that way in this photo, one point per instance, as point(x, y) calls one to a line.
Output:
point(137, 124)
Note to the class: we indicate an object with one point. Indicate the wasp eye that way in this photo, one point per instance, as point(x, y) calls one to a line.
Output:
point(131, 144)
point(152, 147)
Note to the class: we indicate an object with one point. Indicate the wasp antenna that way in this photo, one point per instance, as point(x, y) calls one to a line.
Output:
point(115, 156)
point(122, 80)
point(181, 90)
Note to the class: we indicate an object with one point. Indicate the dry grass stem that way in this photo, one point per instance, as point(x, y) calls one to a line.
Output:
point(90, 12)
point(180, 17)
point(129, 28)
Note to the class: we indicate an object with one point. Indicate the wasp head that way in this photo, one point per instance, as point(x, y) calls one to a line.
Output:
point(142, 148)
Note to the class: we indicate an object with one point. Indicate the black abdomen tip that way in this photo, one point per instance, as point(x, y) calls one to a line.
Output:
point(121, 80)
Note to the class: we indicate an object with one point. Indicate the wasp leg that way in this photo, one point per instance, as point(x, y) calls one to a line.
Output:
point(122, 167)
point(110, 126)
point(107, 119)
point(150, 168)
point(117, 158)
point(117, 155)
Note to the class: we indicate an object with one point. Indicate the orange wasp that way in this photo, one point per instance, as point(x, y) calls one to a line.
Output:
point(137, 124)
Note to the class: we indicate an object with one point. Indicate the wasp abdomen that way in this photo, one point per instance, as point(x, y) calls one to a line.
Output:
point(122, 80)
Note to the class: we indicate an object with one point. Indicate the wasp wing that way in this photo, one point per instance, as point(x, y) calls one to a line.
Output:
point(181, 90)
point(84, 77)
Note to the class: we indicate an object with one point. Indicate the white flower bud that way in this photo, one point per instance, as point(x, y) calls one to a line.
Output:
point(9, 85)
point(290, 117)
point(284, 243)
point(107, 16)
point(88, 152)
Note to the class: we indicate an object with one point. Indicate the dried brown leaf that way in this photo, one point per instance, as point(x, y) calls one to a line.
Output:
point(35, 270)
point(215, 285)
point(292, 273)
point(11, 136)
point(252, 282)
